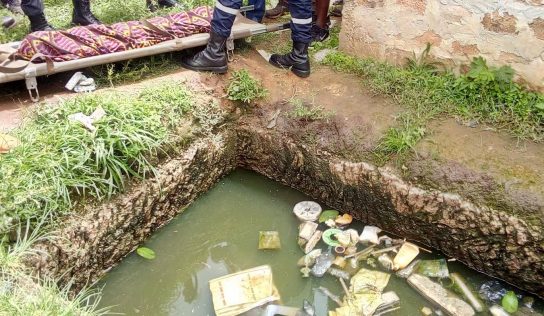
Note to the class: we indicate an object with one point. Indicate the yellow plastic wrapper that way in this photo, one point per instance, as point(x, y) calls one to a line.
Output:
point(240, 292)
point(269, 240)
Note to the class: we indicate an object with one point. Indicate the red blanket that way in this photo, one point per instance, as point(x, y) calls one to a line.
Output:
point(86, 41)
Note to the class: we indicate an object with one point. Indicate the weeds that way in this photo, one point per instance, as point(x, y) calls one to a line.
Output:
point(133, 70)
point(243, 87)
point(23, 294)
point(307, 113)
point(59, 161)
point(484, 93)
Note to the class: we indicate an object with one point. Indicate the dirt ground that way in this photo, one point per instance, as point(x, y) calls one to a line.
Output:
point(487, 166)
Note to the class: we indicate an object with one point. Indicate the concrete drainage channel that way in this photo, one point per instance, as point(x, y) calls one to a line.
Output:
point(492, 242)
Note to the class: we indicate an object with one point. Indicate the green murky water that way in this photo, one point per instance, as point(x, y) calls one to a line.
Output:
point(218, 235)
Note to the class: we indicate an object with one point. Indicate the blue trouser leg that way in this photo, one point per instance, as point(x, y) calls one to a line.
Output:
point(257, 13)
point(223, 16)
point(32, 7)
point(301, 20)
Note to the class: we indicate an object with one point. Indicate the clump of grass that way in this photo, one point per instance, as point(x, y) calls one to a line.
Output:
point(60, 162)
point(304, 112)
point(23, 294)
point(485, 93)
point(133, 70)
point(243, 87)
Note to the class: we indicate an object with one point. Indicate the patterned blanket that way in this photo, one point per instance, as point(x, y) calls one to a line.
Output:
point(86, 41)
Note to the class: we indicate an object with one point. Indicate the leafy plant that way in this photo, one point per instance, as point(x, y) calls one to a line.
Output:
point(398, 140)
point(423, 61)
point(243, 87)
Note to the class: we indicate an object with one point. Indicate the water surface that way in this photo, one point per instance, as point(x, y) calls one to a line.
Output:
point(218, 235)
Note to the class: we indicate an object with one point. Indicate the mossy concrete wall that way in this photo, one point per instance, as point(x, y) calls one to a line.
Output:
point(503, 32)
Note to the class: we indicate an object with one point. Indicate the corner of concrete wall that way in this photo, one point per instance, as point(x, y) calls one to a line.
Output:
point(503, 32)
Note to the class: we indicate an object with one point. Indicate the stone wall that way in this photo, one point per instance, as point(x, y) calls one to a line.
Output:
point(95, 240)
point(504, 32)
point(493, 242)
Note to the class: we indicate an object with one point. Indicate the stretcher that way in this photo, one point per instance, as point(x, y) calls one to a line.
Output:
point(242, 28)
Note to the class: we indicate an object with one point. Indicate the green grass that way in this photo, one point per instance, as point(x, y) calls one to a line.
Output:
point(60, 162)
point(485, 93)
point(59, 14)
point(243, 87)
point(307, 112)
point(133, 70)
point(23, 294)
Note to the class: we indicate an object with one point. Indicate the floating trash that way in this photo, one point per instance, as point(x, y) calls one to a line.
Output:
point(313, 241)
point(460, 285)
point(365, 293)
point(341, 274)
point(344, 238)
point(390, 303)
point(308, 260)
point(344, 220)
point(240, 292)
point(322, 264)
point(307, 211)
point(406, 272)
point(498, 311)
point(439, 296)
point(407, 253)
point(370, 235)
point(492, 291)
point(305, 272)
point(510, 302)
point(329, 237)
point(425, 311)
point(385, 262)
point(528, 301)
point(340, 250)
point(269, 240)
point(328, 215)
point(307, 229)
point(340, 262)
point(308, 308)
point(329, 294)
point(433, 268)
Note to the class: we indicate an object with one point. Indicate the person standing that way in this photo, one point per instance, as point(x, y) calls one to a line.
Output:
point(214, 59)
point(81, 14)
point(320, 26)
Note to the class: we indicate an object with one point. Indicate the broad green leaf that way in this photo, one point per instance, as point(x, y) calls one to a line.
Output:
point(326, 215)
point(146, 253)
point(510, 302)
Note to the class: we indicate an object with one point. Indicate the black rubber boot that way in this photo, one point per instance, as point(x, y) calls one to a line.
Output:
point(168, 3)
point(39, 23)
point(82, 14)
point(213, 58)
point(319, 34)
point(297, 60)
